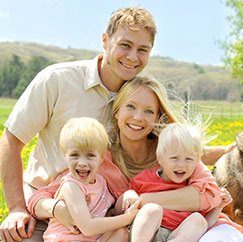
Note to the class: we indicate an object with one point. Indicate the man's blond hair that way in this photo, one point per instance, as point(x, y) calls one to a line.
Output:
point(85, 134)
point(133, 17)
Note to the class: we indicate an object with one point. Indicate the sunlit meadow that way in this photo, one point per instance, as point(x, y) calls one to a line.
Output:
point(225, 129)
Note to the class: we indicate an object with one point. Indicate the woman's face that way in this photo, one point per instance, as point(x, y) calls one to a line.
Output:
point(137, 115)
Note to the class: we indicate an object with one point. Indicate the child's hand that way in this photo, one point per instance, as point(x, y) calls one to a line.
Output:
point(129, 198)
point(133, 209)
point(225, 197)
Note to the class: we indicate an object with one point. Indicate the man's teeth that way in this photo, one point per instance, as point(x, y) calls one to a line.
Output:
point(135, 126)
point(128, 66)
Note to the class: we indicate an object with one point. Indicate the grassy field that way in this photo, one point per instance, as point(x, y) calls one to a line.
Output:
point(227, 121)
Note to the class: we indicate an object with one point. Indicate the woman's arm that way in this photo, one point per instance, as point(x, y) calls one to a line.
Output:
point(89, 226)
point(183, 199)
point(213, 153)
point(213, 216)
point(202, 193)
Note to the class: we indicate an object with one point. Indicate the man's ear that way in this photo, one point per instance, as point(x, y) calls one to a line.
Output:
point(105, 39)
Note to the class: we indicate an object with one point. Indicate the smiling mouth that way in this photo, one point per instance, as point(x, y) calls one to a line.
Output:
point(136, 127)
point(178, 173)
point(83, 174)
point(128, 66)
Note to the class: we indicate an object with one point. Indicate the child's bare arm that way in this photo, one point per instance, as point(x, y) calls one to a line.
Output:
point(127, 199)
point(213, 216)
point(80, 213)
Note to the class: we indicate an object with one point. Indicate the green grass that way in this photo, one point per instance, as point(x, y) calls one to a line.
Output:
point(225, 127)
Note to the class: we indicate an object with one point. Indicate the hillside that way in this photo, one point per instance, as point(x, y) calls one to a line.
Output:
point(204, 81)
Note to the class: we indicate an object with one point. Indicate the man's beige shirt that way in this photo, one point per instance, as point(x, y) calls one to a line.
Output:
point(58, 93)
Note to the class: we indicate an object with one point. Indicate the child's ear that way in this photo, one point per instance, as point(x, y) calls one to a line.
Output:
point(115, 116)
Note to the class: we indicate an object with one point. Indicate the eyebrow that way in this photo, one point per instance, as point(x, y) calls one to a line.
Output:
point(130, 42)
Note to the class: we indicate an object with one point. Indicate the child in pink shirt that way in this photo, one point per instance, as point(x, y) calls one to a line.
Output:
point(84, 142)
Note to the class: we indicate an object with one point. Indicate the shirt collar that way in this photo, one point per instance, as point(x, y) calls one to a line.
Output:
point(92, 74)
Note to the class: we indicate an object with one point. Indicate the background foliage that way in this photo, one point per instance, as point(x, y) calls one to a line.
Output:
point(234, 43)
point(20, 62)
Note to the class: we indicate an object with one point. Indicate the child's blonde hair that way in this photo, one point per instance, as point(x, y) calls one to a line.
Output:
point(133, 17)
point(189, 137)
point(84, 133)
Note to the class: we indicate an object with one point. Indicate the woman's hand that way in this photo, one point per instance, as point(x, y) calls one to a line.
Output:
point(226, 198)
point(129, 198)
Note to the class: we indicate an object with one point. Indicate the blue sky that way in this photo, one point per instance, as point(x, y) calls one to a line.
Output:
point(188, 30)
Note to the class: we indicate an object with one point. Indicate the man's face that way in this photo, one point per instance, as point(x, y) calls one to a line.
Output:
point(126, 53)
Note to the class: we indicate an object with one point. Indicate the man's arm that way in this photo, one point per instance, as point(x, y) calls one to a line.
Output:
point(13, 227)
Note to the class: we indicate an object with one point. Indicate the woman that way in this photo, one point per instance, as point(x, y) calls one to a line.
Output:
point(139, 104)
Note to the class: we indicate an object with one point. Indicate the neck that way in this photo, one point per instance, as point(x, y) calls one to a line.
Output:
point(137, 151)
point(110, 81)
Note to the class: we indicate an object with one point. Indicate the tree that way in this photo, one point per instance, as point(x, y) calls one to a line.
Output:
point(35, 64)
point(10, 75)
point(234, 46)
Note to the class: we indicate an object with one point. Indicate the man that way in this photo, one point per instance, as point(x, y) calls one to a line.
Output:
point(59, 92)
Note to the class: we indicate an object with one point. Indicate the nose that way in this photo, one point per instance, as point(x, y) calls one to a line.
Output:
point(82, 162)
point(180, 163)
point(138, 115)
point(132, 55)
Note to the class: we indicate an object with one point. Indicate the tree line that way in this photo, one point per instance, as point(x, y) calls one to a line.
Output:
point(15, 75)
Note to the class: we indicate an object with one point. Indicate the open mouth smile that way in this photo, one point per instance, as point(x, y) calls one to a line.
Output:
point(128, 66)
point(83, 174)
point(136, 127)
point(179, 173)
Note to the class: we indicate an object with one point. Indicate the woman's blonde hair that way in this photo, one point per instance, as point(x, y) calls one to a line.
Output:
point(133, 17)
point(166, 113)
point(85, 134)
point(189, 137)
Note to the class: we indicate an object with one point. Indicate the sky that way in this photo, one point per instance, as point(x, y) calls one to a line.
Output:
point(188, 30)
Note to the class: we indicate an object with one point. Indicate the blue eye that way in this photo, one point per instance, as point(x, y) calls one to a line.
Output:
point(149, 111)
point(74, 155)
point(188, 159)
point(143, 50)
point(125, 45)
point(130, 106)
point(174, 158)
point(90, 155)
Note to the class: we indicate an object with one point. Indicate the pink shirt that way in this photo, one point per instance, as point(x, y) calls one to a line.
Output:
point(99, 202)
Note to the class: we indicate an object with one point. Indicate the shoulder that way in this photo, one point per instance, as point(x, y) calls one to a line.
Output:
point(66, 68)
point(69, 69)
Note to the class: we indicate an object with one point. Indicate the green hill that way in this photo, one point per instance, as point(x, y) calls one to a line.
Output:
point(200, 81)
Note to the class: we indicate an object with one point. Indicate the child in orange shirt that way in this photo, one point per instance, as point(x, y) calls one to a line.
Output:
point(178, 152)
